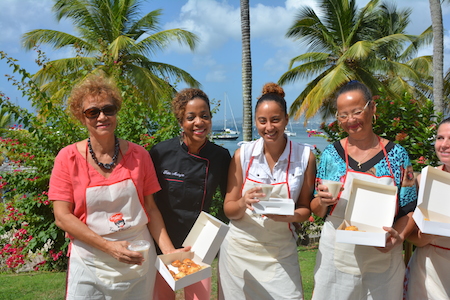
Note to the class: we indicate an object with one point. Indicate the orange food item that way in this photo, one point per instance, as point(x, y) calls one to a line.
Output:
point(176, 263)
point(179, 275)
point(188, 261)
point(351, 228)
point(186, 267)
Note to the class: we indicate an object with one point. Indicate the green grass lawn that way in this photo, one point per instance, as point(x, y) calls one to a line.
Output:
point(51, 285)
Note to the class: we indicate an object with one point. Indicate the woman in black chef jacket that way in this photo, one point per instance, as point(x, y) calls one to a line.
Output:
point(189, 170)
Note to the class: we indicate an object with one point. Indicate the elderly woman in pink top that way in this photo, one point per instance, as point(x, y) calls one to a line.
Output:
point(102, 191)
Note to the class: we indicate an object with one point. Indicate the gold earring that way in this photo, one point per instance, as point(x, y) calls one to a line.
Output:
point(374, 119)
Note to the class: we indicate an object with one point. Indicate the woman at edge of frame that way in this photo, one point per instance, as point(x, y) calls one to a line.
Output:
point(348, 271)
point(427, 275)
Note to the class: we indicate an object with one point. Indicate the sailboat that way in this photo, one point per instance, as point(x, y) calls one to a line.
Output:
point(226, 133)
point(290, 132)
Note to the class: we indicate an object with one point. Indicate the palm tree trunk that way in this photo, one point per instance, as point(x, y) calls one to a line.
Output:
point(246, 71)
point(438, 55)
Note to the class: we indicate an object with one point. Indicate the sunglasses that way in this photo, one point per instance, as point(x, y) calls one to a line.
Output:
point(94, 112)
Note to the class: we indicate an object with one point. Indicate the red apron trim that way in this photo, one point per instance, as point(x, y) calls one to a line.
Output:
point(440, 247)
point(205, 184)
point(287, 170)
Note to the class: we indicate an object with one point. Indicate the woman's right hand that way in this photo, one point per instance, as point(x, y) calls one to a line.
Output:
point(252, 196)
point(325, 197)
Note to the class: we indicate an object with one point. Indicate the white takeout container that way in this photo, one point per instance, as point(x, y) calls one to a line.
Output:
point(370, 207)
point(205, 239)
point(140, 246)
point(266, 189)
point(275, 206)
point(334, 187)
point(432, 214)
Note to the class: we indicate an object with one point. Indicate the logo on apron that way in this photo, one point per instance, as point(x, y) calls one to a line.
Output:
point(118, 220)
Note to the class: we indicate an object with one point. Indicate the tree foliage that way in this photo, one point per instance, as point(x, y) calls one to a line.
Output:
point(346, 43)
point(113, 38)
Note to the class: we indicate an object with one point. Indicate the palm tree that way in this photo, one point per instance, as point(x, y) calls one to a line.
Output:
point(112, 38)
point(402, 63)
point(246, 70)
point(346, 44)
point(438, 54)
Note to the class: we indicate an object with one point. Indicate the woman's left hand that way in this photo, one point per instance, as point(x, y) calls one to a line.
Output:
point(392, 241)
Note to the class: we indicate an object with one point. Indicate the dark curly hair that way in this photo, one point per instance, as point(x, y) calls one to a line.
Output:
point(181, 99)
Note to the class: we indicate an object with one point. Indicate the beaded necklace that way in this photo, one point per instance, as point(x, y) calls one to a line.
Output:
point(114, 159)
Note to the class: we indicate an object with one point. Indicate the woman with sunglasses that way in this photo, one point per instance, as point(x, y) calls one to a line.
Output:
point(348, 271)
point(101, 190)
point(190, 168)
point(427, 274)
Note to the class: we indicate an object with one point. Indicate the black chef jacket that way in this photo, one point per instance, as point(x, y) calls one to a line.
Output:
point(188, 183)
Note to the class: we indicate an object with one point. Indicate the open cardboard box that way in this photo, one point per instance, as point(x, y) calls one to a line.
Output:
point(275, 206)
point(205, 239)
point(432, 214)
point(370, 207)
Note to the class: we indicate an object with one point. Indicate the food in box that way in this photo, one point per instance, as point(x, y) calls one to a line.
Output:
point(205, 239)
point(163, 264)
point(370, 207)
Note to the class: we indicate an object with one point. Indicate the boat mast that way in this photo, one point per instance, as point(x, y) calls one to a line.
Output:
point(225, 112)
point(232, 114)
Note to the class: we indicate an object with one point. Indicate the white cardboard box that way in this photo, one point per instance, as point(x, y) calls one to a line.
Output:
point(370, 207)
point(275, 206)
point(205, 239)
point(432, 214)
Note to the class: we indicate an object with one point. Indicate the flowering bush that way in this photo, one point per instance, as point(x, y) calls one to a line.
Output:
point(309, 228)
point(405, 121)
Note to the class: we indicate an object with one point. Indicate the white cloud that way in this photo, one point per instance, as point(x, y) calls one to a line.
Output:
point(213, 22)
point(217, 75)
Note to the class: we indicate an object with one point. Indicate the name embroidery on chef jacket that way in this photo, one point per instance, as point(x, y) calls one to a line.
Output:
point(175, 174)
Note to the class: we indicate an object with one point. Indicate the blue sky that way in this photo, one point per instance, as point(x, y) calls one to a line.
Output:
point(216, 63)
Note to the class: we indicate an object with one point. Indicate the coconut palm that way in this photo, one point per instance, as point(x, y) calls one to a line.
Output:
point(438, 54)
point(348, 44)
point(402, 63)
point(246, 70)
point(112, 38)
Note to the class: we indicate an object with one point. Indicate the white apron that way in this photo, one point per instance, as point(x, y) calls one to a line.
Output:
point(114, 212)
point(348, 271)
point(258, 259)
point(427, 275)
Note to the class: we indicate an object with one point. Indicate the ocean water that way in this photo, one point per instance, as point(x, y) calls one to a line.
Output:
point(301, 137)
